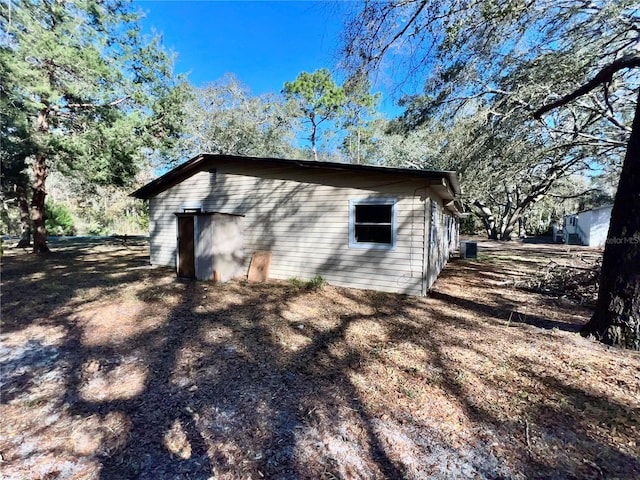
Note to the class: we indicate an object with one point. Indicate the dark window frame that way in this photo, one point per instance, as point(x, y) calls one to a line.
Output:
point(354, 243)
point(192, 207)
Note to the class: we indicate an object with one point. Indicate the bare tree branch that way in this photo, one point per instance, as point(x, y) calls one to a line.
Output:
point(602, 77)
point(93, 105)
point(416, 14)
point(605, 114)
point(577, 195)
point(604, 141)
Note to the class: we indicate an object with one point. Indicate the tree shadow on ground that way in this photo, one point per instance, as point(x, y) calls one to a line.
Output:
point(275, 381)
point(506, 311)
point(244, 405)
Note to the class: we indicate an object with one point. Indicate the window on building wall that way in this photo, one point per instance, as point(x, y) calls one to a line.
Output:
point(372, 223)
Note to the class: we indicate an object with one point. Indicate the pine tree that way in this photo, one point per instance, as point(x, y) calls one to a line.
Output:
point(98, 96)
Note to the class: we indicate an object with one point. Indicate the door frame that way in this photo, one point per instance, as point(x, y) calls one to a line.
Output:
point(193, 216)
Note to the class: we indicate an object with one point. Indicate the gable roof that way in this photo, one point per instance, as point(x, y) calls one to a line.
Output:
point(445, 182)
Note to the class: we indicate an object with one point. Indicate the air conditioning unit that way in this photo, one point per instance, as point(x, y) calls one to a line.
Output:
point(468, 249)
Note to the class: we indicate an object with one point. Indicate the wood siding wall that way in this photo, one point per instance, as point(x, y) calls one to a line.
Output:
point(302, 217)
point(442, 241)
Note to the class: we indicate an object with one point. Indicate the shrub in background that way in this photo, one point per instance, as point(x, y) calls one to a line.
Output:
point(59, 220)
point(470, 225)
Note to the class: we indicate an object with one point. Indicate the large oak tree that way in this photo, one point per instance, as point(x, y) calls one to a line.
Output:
point(483, 67)
point(224, 117)
point(616, 319)
point(507, 58)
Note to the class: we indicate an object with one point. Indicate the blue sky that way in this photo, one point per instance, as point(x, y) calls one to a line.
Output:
point(264, 43)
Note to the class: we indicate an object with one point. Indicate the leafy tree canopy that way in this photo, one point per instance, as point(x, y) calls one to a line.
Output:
point(223, 117)
point(553, 88)
point(323, 105)
point(318, 98)
point(96, 96)
point(484, 67)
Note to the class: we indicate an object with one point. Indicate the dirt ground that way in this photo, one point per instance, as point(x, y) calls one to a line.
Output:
point(112, 369)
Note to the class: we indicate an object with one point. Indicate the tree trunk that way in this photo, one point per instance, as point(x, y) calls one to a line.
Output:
point(522, 233)
point(39, 191)
point(312, 138)
point(358, 147)
point(490, 228)
point(25, 218)
point(508, 231)
point(38, 205)
point(518, 203)
point(616, 319)
point(488, 220)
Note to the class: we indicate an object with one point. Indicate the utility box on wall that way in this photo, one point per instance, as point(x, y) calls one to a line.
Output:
point(210, 246)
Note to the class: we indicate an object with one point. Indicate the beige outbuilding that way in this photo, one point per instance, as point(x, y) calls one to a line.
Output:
point(359, 226)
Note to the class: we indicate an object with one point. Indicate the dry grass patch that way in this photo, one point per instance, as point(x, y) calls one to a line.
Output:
point(111, 369)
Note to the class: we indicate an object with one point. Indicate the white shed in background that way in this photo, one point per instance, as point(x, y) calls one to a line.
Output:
point(589, 228)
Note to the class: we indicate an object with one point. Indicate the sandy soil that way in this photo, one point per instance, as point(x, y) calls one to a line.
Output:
point(112, 369)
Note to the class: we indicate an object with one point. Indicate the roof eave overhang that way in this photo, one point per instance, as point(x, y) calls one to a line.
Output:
point(455, 208)
point(172, 177)
point(442, 188)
